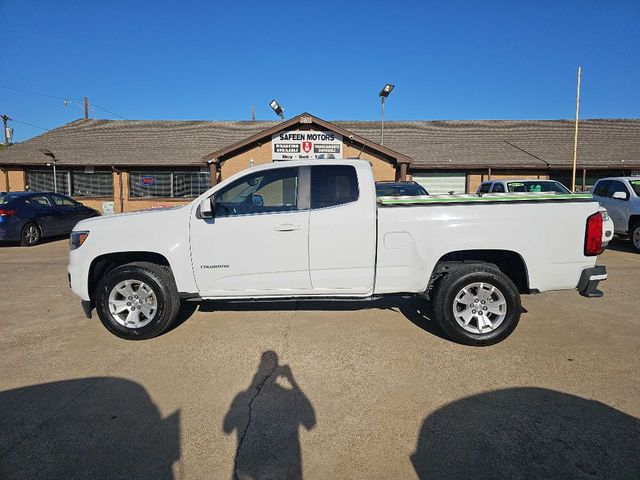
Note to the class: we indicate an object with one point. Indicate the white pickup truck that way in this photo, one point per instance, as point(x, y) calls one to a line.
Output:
point(314, 229)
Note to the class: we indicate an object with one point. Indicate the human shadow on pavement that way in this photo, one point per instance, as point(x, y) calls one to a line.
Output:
point(97, 428)
point(415, 309)
point(266, 417)
point(528, 433)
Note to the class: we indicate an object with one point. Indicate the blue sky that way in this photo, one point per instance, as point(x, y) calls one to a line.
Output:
point(214, 60)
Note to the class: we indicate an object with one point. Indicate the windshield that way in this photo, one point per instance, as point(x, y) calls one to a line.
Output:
point(399, 189)
point(537, 186)
point(635, 185)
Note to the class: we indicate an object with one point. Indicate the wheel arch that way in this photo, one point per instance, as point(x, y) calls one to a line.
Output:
point(633, 220)
point(507, 261)
point(103, 264)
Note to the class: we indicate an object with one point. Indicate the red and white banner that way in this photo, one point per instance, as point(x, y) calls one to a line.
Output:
point(305, 144)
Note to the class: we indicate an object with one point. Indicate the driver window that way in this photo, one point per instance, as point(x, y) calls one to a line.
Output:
point(273, 191)
point(498, 188)
point(617, 186)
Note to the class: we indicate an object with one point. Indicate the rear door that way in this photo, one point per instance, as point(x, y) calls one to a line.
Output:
point(40, 209)
point(342, 231)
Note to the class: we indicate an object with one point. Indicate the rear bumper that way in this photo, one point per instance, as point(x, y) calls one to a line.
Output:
point(589, 279)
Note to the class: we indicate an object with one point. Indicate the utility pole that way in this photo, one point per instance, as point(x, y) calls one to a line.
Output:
point(86, 108)
point(575, 136)
point(5, 119)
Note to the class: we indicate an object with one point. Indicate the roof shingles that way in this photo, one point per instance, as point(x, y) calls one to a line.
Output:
point(431, 144)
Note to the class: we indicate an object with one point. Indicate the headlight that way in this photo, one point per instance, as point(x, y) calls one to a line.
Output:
point(76, 239)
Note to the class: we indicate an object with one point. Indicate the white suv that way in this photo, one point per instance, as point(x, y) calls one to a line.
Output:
point(621, 197)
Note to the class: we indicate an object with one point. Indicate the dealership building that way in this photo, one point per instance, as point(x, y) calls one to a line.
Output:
point(125, 165)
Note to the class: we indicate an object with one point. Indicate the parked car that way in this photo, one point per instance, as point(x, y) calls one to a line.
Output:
point(27, 217)
point(522, 186)
point(315, 229)
point(399, 189)
point(542, 186)
point(621, 197)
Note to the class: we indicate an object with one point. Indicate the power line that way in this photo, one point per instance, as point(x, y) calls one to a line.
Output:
point(29, 124)
point(57, 97)
point(108, 111)
point(32, 93)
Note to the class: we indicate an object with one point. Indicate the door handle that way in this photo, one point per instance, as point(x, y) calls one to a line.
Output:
point(286, 227)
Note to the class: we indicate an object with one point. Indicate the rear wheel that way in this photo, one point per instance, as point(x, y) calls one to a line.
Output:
point(30, 235)
point(477, 305)
point(635, 237)
point(137, 301)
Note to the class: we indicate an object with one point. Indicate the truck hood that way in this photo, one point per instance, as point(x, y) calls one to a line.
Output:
point(125, 219)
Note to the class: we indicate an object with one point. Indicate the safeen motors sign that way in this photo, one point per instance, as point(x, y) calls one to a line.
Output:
point(305, 145)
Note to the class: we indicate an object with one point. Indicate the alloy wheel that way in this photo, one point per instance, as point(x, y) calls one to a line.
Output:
point(480, 307)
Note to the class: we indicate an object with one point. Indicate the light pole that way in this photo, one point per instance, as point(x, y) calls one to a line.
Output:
point(384, 93)
point(275, 106)
point(50, 154)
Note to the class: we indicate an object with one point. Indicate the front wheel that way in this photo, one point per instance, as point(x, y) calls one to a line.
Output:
point(137, 301)
point(635, 237)
point(477, 305)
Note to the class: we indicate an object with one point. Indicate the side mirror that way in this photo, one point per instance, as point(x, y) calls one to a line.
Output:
point(619, 195)
point(207, 207)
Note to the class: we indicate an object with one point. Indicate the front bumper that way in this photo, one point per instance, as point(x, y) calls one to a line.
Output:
point(589, 279)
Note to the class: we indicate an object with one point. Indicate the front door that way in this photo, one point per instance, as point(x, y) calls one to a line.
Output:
point(257, 242)
point(618, 208)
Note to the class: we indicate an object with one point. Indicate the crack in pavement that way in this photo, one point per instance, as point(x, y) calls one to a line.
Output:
point(258, 389)
point(246, 428)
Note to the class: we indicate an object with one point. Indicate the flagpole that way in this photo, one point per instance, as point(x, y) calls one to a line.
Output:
point(575, 136)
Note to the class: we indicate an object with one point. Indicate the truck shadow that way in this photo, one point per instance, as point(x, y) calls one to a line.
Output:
point(527, 433)
point(416, 310)
point(618, 244)
point(96, 427)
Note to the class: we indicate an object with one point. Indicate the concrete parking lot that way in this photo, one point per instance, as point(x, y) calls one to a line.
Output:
point(352, 390)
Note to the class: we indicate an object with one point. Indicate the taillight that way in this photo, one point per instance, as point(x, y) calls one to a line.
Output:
point(593, 236)
point(6, 213)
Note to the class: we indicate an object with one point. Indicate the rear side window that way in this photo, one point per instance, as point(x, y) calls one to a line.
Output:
point(39, 201)
point(484, 188)
point(333, 185)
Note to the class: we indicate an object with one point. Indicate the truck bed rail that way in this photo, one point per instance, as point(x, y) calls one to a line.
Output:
point(483, 198)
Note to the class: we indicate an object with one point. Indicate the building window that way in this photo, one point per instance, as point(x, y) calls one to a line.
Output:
point(96, 184)
point(74, 183)
point(42, 181)
point(168, 184)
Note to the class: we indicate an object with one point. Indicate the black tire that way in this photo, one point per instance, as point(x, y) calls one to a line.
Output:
point(161, 281)
point(459, 278)
point(30, 235)
point(634, 236)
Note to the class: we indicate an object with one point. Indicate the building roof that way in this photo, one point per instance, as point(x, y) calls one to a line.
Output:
point(510, 143)
point(429, 144)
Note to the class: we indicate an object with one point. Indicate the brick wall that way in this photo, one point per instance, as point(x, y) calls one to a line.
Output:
point(382, 170)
